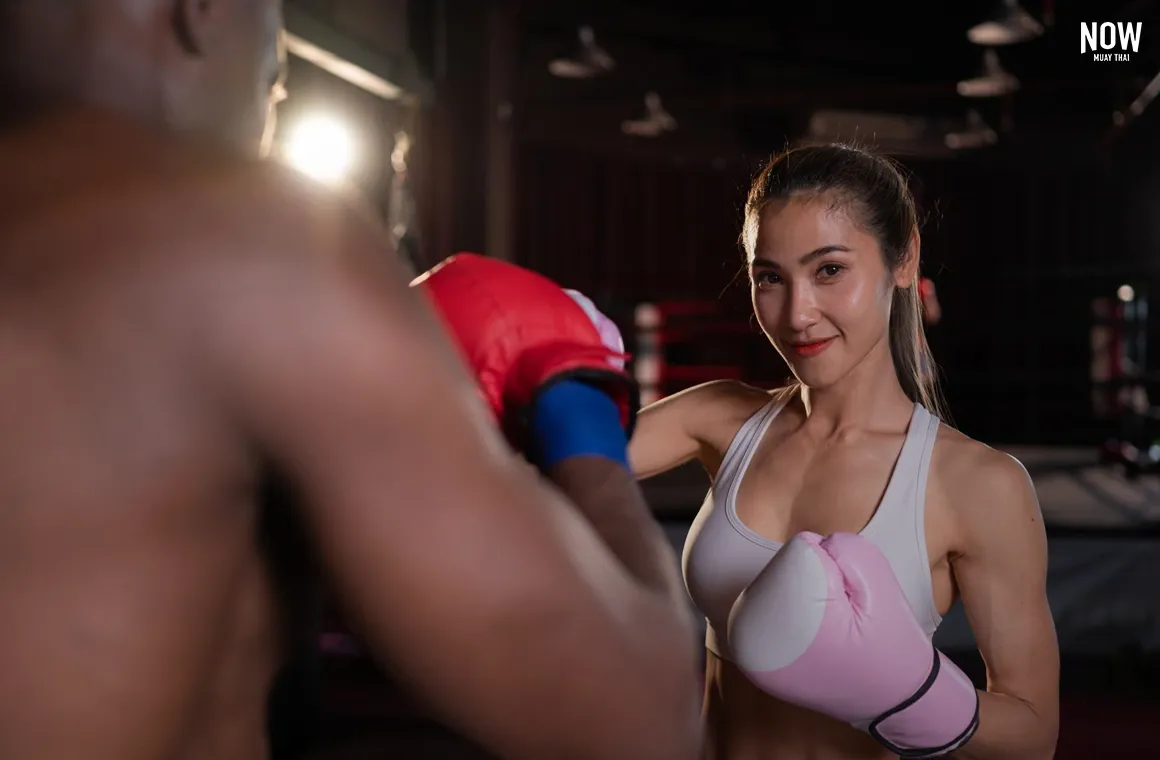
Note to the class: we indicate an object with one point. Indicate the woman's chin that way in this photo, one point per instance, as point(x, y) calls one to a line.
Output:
point(812, 376)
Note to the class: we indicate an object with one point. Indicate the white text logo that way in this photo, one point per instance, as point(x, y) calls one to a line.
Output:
point(1109, 41)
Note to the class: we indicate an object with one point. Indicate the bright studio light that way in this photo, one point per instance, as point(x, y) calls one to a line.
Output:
point(320, 147)
point(1126, 293)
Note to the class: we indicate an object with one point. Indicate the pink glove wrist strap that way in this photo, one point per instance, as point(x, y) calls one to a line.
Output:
point(931, 722)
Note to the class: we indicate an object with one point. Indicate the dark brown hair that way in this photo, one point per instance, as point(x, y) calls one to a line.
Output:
point(874, 192)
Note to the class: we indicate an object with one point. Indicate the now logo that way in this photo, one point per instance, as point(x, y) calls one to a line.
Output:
point(1121, 36)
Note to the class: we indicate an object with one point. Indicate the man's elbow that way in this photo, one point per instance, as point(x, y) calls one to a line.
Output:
point(644, 706)
point(671, 722)
point(670, 729)
point(635, 694)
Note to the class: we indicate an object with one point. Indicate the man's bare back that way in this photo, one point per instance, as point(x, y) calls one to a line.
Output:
point(135, 543)
point(218, 386)
point(185, 334)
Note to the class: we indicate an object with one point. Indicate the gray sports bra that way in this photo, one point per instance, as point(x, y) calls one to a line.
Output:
point(722, 556)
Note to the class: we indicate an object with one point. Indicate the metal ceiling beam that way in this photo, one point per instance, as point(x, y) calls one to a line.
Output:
point(387, 77)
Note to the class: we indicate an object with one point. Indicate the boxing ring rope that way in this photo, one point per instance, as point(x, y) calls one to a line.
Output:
point(1121, 381)
point(1118, 351)
point(663, 328)
point(671, 338)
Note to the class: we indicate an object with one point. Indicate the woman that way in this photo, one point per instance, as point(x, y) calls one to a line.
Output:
point(854, 446)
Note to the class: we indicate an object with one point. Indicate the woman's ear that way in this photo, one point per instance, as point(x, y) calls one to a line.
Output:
point(906, 273)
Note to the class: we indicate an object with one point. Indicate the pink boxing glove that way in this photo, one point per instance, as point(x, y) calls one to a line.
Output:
point(826, 626)
point(609, 333)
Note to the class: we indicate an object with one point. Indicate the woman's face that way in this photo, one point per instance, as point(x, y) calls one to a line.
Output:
point(821, 290)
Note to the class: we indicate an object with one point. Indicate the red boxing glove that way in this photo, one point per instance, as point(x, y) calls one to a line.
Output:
point(520, 332)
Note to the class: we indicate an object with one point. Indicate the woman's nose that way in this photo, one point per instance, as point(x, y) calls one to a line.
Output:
point(802, 308)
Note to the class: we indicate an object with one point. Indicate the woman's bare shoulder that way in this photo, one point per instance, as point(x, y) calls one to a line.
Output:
point(957, 454)
point(732, 397)
point(726, 406)
point(969, 470)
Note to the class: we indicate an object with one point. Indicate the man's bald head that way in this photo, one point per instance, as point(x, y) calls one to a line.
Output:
point(204, 66)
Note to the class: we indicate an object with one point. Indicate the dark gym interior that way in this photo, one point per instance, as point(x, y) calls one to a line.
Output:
point(609, 144)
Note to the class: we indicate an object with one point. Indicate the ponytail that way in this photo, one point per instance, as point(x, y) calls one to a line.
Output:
point(913, 360)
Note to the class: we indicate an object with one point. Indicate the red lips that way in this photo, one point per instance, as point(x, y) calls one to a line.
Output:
point(807, 350)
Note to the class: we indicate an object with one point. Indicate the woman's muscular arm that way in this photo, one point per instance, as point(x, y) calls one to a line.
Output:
point(680, 428)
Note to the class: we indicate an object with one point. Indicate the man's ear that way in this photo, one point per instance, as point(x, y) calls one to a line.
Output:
point(907, 272)
point(195, 22)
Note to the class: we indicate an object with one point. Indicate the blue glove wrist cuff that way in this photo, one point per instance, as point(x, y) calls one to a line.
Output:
point(572, 419)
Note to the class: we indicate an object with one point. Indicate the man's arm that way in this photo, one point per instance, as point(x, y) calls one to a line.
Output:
point(479, 584)
point(609, 498)
point(1002, 575)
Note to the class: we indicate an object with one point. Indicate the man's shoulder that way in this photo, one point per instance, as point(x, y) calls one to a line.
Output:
point(193, 189)
point(211, 232)
point(262, 200)
point(221, 214)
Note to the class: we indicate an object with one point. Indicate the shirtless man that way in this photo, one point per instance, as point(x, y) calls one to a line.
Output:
point(187, 332)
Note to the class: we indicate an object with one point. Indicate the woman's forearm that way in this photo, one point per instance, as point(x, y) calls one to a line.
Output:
point(1010, 729)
